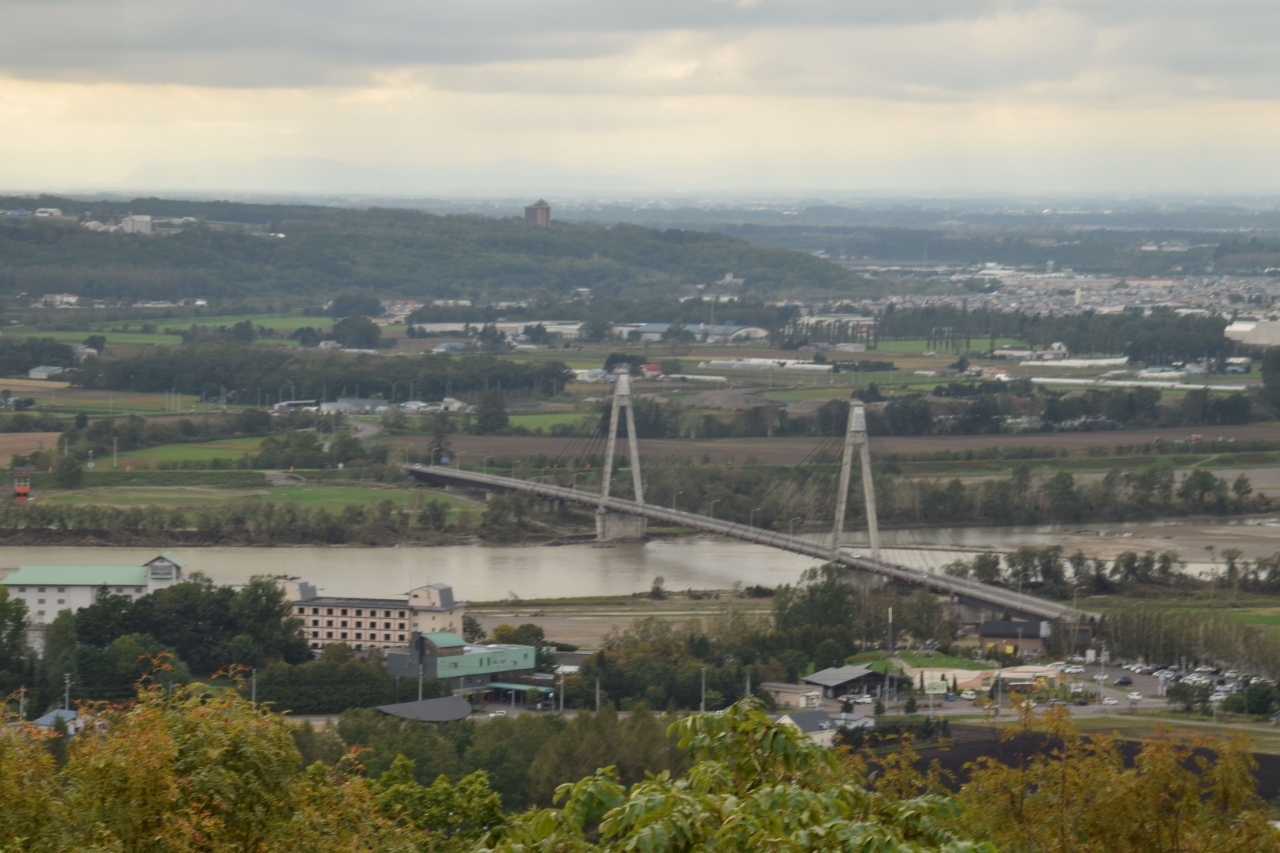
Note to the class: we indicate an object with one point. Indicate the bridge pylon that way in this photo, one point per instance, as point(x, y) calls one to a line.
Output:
point(612, 526)
point(856, 437)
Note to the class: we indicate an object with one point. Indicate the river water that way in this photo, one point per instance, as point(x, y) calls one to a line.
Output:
point(488, 573)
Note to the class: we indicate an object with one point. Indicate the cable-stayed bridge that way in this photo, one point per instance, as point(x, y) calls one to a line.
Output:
point(624, 518)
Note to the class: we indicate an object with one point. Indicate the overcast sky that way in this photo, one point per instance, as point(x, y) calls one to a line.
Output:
point(509, 96)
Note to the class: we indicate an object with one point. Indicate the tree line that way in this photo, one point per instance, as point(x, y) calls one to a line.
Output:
point(246, 375)
point(249, 522)
point(1161, 337)
point(328, 251)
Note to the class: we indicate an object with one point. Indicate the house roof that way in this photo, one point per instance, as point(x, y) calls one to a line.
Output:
point(441, 710)
point(172, 558)
point(50, 719)
point(47, 368)
point(837, 675)
point(444, 639)
point(78, 576)
point(810, 721)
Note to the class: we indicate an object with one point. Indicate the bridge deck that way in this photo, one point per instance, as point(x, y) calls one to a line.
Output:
point(997, 596)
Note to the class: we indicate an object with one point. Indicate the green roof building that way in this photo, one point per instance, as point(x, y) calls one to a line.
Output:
point(48, 590)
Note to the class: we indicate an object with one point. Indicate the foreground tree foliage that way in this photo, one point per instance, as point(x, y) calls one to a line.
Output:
point(201, 773)
point(204, 773)
point(754, 785)
point(1179, 793)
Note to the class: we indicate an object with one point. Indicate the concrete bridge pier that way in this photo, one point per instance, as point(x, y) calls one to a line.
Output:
point(552, 505)
point(618, 527)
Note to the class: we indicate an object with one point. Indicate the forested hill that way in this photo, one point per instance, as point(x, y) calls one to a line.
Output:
point(391, 252)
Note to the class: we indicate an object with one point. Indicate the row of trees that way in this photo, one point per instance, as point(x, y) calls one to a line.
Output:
point(525, 757)
point(1160, 337)
point(801, 499)
point(249, 522)
point(246, 375)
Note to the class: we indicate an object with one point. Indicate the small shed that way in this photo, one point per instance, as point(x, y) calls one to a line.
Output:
point(443, 710)
point(45, 371)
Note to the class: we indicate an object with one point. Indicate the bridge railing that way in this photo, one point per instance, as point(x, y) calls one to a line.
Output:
point(775, 539)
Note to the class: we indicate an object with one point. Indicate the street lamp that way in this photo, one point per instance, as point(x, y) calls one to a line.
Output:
point(673, 500)
point(751, 517)
point(711, 513)
point(791, 527)
point(485, 464)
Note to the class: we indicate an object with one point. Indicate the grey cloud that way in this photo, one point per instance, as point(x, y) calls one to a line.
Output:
point(922, 48)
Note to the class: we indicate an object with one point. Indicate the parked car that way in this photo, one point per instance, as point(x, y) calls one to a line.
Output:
point(1081, 701)
point(863, 700)
point(1110, 701)
point(969, 694)
point(1123, 681)
point(1135, 696)
point(497, 713)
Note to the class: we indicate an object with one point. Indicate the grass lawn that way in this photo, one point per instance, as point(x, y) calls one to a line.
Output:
point(546, 420)
point(230, 448)
point(942, 661)
point(332, 498)
point(78, 337)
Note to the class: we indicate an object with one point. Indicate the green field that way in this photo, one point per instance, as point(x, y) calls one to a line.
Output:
point(941, 661)
point(332, 498)
point(546, 421)
point(229, 448)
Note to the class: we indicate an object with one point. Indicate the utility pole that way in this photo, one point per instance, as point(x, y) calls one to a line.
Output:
point(253, 687)
point(702, 706)
point(562, 693)
point(66, 682)
point(419, 682)
point(597, 693)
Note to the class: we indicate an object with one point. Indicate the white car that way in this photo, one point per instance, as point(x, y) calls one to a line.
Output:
point(497, 713)
point(969, 694)
point(1135, 696)
point(1231, 673)
point(1110, 701)
point(863, 700)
